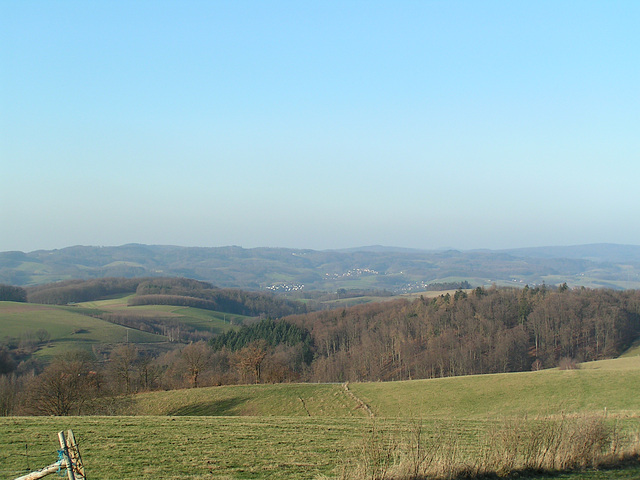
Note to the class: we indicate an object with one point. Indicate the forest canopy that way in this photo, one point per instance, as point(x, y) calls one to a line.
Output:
point(273, 333)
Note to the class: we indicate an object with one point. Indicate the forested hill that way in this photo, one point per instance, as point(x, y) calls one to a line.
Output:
point(486, 331)
point(381, 268)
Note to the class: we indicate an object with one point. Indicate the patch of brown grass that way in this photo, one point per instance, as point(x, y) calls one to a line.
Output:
point(565, 443)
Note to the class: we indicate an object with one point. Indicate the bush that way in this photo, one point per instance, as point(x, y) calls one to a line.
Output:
point(565, 443)
point(568, 364)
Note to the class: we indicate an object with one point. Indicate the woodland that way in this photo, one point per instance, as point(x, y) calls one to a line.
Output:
point(472, 331)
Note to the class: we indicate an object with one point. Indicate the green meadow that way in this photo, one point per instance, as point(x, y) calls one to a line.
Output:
point(283, 400)
point(68, 329)
point(212, 321)
point(613, 385)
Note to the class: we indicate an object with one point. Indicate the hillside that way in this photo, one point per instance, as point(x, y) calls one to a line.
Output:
point(594, 387)
point(51, 330)
point(83, 314)
point(165, 291)
point(610, 384)
point(294, 271)
point(490, 330)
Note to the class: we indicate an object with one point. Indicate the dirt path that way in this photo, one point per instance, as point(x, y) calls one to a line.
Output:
point(360, 403)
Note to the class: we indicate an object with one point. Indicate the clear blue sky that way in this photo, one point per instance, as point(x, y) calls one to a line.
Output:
point(323, 124)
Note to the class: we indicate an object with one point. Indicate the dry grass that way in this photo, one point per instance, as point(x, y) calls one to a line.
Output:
point(565, 443)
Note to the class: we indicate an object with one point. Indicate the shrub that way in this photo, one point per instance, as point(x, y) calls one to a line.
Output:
point(567, 363)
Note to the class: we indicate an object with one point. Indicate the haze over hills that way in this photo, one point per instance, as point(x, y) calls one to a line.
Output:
point(375, 267)
point(598, 252)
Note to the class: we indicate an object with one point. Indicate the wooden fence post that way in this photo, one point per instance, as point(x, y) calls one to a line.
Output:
point(74, 455)
point(64, 448)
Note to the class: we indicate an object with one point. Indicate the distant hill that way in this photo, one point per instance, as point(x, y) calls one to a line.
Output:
point(597, 252)
point(286, 270)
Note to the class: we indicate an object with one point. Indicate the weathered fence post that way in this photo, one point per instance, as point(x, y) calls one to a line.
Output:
point(66, 459)
point(74, 455)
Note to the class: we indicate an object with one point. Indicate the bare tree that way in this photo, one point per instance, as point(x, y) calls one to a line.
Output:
point(121, 366)
point(148, 372)
point(43, 335)
point(196, 357)
point(9, 387)
point(249, 359)
point(63, 388)
point(7, 362)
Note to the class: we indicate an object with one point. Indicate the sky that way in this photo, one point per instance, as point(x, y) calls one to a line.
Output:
point(328, 124)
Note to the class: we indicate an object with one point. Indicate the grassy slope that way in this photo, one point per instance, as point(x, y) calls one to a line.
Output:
point(61, 322)
point(613, 384)
point(18, 318)
point(215, 322)
point(290, 400)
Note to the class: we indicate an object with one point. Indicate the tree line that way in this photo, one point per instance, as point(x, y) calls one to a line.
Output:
point(442, 286)
point(9, 293)
point(75, 291)
point(93, 382)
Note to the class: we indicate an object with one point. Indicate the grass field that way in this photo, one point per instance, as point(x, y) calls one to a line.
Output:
point(309, 431)
point(73, 327)
point(212, 321)
point(183, 447)
point(208, 447)
point(68, 329)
